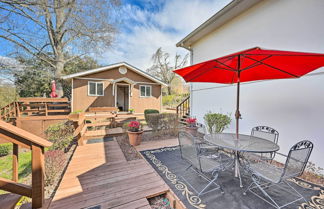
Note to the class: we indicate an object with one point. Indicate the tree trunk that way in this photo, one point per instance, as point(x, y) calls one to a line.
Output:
point(169, 90)
point(59, 66)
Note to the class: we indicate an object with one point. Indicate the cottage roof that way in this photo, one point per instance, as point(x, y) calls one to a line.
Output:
point(112, 66)
point(231, 10)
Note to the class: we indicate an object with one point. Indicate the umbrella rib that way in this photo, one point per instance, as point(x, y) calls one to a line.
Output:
point(231, 69)
point(288, 55)
point(274, 67)
point(256, 63)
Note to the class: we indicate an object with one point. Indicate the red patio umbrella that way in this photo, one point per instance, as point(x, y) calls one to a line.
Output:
point(53, 93)
point(251, 65)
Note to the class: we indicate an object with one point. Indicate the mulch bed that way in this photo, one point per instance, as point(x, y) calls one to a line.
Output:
point(159, 202)
point(51, 189)
point(151, 136)
point(129, 151)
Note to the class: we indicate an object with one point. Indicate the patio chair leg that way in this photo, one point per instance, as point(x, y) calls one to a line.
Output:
point(247, 189)
point(295, 191)
point(209, 184)
point(266, 194)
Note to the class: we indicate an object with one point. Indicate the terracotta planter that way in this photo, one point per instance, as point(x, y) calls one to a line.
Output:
point(192, 130)
point(135, 138)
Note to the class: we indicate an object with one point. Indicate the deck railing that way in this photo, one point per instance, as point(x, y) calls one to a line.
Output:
point(183, 108)
point(35, 106)
point(9, 111)
point(21, 138)
point(81, 125)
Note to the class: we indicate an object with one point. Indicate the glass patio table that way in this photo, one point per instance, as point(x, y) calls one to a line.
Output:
point(244, 143)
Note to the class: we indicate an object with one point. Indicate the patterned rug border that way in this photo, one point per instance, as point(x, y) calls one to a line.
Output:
point(316, 202)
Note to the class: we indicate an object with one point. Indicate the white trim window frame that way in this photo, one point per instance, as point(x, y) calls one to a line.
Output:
point(146, 87)
point(96, 84)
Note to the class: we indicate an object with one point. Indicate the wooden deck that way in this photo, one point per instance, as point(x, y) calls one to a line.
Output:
point(99, 174)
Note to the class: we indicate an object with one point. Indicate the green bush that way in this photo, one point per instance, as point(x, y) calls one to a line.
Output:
point(216, 122)
point(149, 111)
point(5, 149)
point(61, 134)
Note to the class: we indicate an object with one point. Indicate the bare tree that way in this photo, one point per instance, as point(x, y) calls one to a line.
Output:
point(163, 69)
point(51, 29)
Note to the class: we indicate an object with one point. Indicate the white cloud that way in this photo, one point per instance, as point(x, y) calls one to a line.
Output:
point(147, 30)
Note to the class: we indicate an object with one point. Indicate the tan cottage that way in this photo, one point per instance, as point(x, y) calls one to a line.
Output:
point(119, 85)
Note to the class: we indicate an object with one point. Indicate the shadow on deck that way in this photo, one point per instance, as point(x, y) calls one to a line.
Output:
point(99, 175)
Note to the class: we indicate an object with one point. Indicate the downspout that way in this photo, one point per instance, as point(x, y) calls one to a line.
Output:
point(191, 86)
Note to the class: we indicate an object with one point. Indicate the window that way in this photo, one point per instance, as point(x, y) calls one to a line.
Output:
point(95, 88)
point(146, 91)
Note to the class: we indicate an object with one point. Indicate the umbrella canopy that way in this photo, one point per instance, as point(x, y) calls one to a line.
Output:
point(53, 93)
point(252, 65)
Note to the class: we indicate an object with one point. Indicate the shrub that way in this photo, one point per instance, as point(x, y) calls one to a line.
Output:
point(170, 123)
point(216, 122)
point(164, 123)
point(61, 134)
point(149, 111)
point(54, 164)
point(153, 121)
point(5, 149)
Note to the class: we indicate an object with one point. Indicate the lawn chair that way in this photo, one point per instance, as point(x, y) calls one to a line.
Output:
point(296, 162)
point(201, 164)
point(267, 133)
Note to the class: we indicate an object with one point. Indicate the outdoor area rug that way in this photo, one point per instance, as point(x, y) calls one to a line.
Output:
point(169, 165)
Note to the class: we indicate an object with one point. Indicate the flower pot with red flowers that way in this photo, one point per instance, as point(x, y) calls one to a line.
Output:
point(192, 127)
point(135, 133)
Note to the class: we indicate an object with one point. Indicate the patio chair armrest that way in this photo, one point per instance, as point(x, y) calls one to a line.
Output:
point(278, 153)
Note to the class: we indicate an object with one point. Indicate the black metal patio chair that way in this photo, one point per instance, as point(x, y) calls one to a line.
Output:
point(271, 175)
point(205, 147)
point(201, 164)
point(267, 133)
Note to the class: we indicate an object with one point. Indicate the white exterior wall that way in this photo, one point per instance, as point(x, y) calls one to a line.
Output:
point(294, 107)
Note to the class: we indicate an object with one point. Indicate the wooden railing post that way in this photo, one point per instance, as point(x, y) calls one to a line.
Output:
point(15, 163)
point(18, 109)
point(38, 173)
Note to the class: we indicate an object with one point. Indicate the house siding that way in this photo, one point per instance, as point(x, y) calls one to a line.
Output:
point(81, 100)
point(292, 106)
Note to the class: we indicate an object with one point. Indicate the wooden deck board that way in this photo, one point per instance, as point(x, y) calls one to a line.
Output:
point(99, 174)
point(141, 203)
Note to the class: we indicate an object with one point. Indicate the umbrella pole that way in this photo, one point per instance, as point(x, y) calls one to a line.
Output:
point(237, 113)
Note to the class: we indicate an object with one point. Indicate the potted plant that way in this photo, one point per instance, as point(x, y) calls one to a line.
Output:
point(135, 133)
point(131, 111)
point(192, 126)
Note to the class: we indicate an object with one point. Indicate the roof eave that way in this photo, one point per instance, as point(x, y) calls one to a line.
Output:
point(71, 76)
point(231, 10)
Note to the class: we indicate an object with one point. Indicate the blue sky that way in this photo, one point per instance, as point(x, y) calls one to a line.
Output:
point(147, 25)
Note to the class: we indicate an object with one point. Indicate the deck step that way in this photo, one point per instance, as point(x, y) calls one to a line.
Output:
point(9, 200)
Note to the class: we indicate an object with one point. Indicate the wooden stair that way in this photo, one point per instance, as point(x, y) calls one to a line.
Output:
point(9, 200)
point(183, 110)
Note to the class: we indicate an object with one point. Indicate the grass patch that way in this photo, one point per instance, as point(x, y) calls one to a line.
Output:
point(24, 168)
